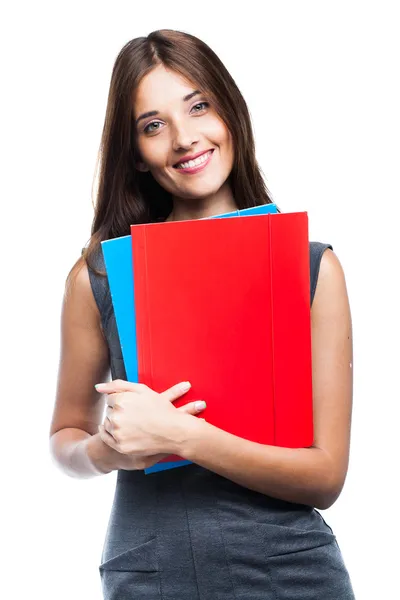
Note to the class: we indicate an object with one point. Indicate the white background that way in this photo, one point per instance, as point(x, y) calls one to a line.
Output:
point(320, 79)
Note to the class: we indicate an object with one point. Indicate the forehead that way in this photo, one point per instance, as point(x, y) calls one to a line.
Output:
point(161, 87)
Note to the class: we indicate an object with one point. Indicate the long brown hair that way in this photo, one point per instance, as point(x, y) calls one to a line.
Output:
point(127, 196)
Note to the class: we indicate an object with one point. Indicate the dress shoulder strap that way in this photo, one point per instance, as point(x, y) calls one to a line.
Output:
point(102, 296)
point(316, 251)
point(100, 287)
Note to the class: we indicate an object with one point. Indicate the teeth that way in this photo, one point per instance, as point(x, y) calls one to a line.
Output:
point(194, 163)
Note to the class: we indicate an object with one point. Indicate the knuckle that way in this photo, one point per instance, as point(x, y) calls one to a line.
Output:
point(118, 438)
point(114, 421)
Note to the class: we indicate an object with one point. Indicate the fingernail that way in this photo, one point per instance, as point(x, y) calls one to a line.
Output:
point(98, 385)
point(186, 385)
point(200, 405)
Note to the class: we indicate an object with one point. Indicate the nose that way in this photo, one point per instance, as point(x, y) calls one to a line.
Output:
point(184, 136)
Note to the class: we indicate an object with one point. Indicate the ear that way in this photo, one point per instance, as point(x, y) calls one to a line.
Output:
point(141, 166)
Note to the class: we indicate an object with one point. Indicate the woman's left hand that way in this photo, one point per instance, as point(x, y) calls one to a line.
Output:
point(141, 422)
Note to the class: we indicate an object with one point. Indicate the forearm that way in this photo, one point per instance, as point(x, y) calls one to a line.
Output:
point(81, 455)
point(300, 475)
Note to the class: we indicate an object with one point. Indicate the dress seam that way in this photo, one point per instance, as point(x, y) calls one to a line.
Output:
point(190, 541)
point(159, 566)
point(224, 546)
point(271, 581)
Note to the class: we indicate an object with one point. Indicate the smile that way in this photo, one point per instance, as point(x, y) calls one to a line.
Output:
point(193, 166)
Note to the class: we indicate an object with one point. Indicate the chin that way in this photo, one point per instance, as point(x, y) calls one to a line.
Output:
point(200, 195)
point(203, 189)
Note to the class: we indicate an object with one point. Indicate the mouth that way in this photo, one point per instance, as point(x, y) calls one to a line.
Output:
point(193, 166)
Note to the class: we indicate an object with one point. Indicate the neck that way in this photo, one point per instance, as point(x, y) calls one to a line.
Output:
point(185, 209)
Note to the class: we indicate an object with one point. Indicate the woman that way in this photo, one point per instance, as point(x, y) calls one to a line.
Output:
point(241, 521)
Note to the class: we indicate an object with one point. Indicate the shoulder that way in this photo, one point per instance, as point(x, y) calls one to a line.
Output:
point(78, 278)
point(78, 295)
point(331, 291)
point(331, 271)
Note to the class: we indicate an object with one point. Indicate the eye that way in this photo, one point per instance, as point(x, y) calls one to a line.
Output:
point(147, 130)
point(200, 104)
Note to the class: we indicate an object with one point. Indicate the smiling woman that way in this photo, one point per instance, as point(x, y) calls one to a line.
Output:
point(171, 99)
point(241, 520)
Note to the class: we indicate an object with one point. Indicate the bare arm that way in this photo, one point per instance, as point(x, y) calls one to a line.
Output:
point(316, 475)
point(75, 443)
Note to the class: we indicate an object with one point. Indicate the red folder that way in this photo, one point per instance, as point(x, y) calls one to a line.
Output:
point(225, 304)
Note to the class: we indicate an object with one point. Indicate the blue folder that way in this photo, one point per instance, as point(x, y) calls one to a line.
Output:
point(117, 254)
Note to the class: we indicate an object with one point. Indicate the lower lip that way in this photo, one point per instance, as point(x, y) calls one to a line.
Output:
point(193, 170)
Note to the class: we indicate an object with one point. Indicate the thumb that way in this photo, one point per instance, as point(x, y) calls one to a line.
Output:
point(176, 391)
point(193, 408)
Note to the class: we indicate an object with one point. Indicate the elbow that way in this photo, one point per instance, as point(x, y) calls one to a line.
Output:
point(330, 493)
point(326, 501)
point(331, 478)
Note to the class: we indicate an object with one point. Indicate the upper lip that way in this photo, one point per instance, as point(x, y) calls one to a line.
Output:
point(191, 156)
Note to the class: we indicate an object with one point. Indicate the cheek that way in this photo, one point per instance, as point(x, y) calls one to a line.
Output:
point(217, 132)
point(153, 154)
point(227, 146)
point(223, 137)
point(229, 143)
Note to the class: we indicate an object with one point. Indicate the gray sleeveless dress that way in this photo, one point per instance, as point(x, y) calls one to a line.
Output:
point(190, 534)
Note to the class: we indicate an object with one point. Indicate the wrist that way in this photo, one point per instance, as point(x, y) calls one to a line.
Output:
point(189, 434)
point(100, 457)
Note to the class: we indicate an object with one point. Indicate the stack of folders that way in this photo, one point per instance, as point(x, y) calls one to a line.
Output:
point(225, 304)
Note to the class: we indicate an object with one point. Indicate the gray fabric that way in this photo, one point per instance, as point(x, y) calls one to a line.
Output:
point(102, 295)
point(190, 534)
point(316, 251)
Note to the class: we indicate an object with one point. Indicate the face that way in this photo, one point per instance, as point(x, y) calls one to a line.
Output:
point(186, 125)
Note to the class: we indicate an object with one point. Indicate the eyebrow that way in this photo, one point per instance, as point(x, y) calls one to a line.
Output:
point(153, 113)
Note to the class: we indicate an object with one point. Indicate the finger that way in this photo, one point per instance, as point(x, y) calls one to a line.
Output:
point(108, 426)
point(176, 391)
point(193, 408)
point(119, 385)
point(107, 438)
point(112, 399)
